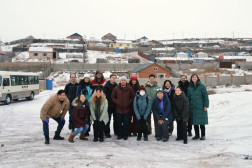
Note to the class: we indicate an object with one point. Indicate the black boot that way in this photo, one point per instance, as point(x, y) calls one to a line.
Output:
point(145, 138)
point(57, 136)
point(202, 138)
point(47, 140)
point(196, 128)
point(185, 142)
point(189, 133)
point(95, 139)
point(139, 138)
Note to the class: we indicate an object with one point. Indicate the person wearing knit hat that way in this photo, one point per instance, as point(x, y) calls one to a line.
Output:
point(98, 81)
point(123, 96)
point(162, 115)
point(134, 83)
point(142, 107)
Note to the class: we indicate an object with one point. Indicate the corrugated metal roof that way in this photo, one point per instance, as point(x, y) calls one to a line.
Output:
point(140, 67)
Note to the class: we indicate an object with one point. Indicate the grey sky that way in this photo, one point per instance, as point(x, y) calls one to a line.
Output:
point(157, 19)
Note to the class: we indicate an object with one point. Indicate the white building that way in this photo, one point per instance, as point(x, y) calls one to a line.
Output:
point(181, 55)
point(201, 55)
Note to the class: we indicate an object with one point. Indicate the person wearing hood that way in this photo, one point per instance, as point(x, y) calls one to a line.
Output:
point(107, 90)
point(198, 99)
point(151, 89)
point(86, 89)
point(123, 96)
point(162, 114)
point(98, 106)
point(184, 84)
point(142, 107)
point(80, 117)
point(55, 107)
point(134, 83)
point(180, 106)
point(98, 81)
point(70, 90)
point(169, 89)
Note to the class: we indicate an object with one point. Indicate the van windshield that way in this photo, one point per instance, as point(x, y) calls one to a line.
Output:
point(0, 80)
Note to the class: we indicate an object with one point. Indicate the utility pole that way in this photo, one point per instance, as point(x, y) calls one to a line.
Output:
point(84, 55)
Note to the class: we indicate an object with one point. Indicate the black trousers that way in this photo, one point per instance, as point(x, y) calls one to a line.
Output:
point(142, 128)
point(170, 127)
point(122, 124)
point(98, 127)
point(202, 129)
point(181, 130)
point(189, 126)
point(111, 111)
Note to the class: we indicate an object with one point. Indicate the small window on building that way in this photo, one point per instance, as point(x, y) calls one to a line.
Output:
point(35, 54)
point(133, 74)
point(45, 54)
point(155, 68)
point(161, 76)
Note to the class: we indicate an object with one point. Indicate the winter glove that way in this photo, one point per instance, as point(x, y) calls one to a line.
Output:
point(47, 120)
point(62, 120)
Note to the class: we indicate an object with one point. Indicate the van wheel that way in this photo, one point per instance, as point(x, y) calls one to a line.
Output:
point(31, 97)
point(7, 100)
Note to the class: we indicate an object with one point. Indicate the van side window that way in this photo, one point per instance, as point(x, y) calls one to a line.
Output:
point(6, 82)
point(0, 80)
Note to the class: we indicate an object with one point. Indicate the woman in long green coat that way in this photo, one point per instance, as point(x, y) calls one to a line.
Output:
point(199, 102)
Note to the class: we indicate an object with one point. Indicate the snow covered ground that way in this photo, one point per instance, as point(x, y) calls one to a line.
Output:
point(228, 139)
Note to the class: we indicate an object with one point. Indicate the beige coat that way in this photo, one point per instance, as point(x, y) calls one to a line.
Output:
point(53, 108)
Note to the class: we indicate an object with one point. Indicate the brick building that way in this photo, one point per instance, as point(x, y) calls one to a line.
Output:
point(144, 70)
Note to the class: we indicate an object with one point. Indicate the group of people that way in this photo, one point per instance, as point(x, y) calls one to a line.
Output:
point(131, 105)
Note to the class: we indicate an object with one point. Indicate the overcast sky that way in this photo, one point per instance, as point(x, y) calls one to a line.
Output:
point(129, 19)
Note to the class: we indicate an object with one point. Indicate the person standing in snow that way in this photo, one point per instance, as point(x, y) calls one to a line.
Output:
point(162, 115)
point(199, 102)
point(98, 106)
point(180, 106)
point(151, 88)
point(169, 89)
point(55, 107)
point(107, 90)
point(86, 89)
point(80, 117)
point(123, 96)
point(142, 107)
point(134, 83)
point(184, 84)
point(70, 90)
point(98, 81)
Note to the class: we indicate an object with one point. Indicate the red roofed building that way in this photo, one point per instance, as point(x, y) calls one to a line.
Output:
point(109, 36)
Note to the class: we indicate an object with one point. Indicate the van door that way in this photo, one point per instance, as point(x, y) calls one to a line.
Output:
point(1, 87)
point(6, 86)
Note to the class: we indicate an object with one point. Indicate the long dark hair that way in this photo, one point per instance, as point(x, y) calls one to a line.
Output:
point(165, 83)
point(191, 82)
point(79, 103)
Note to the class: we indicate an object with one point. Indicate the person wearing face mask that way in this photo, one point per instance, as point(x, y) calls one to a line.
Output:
point(134, 83)
point(142, 107)
point(198, 99)
point(98, 81)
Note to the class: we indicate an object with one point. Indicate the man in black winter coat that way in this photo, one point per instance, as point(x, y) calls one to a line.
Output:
point(70, 90)
point(184, 84)
point(107, 90)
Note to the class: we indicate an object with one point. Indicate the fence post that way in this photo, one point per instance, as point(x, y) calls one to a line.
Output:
point(218, 79)
point(231, 82)
point(45, 84)
point(245, 78)
point(205, 80)
point(179, 66)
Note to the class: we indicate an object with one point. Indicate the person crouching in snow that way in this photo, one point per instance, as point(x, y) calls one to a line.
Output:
point(80, 117)
point(55, 107)
point(99, 113)
point(181, 113)
point(142, 108)
point(162, 115)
